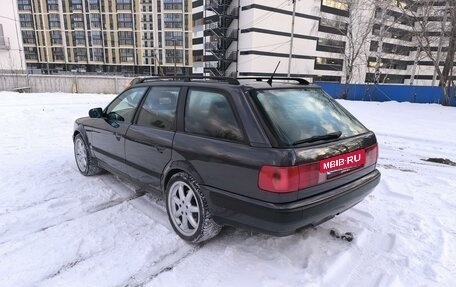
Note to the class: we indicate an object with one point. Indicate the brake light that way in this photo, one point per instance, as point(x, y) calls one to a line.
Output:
point(309, 175)
point(371, 155)
point(293, 178)
point(279, 179)
point(288, 179)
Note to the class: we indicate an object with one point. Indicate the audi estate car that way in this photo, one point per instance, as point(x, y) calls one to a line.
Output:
point(272, 156)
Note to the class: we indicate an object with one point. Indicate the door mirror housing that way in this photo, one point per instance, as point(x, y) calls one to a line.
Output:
point(96, 113)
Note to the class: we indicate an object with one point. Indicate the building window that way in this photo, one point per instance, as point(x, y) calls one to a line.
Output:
point(392, 79)
point(332, 26)
point(125, 38)
point(330, 45)
point(58, 54)
point(173, 38)
point(56, 37)
point(340, 5)
point(172, 5)
point(97, 55)
point(77, 21)
point(80, 54)
point(393, 33)
point(124, 20)
point(28, 37)
point(26, 20)
point(24, 5)
point(78, 38)
point(54, 20)
point(4, 42)
point(76, 4)
point(96, 38)
point(95, 21)
point(170, 58)
point(30, 53)
point(123, 4)
point(391, 48)
point(387, 64)
point(94, 5)
point(329, 64)
point(53, 5)
point(126, 55)
point(172, 20)
point(335, 79)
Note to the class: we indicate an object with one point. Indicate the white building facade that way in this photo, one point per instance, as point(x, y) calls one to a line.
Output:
point(333, 40)
point(11, 51)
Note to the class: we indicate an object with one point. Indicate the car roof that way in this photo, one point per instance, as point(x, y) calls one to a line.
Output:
point(251, 82)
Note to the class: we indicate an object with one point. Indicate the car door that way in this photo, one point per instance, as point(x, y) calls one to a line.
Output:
point(107, 134)
point(213, 141)
point(148, 142)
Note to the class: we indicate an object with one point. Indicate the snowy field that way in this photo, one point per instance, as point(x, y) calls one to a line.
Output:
point(59, 228)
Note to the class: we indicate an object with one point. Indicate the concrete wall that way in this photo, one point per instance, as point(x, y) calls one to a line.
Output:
point(66, 84)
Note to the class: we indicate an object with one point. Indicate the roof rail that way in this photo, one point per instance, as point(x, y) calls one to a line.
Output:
point(300, 81)
point(229, 80)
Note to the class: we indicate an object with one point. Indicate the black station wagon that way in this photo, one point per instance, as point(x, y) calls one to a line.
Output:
point(272, 156)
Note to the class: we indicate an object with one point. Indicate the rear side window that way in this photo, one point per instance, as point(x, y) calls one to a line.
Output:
point(159, 108)
point(300, 115)
point(210, 114)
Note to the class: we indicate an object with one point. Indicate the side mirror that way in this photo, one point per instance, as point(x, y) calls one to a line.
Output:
point(96, 113)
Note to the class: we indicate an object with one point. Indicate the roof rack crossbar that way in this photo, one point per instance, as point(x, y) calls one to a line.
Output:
point(229, 80)
point(300, 81)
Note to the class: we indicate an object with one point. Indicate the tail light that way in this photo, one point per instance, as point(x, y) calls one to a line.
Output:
point(371, 155)
point(288, 179)
point(293, 178)
point(279, 179)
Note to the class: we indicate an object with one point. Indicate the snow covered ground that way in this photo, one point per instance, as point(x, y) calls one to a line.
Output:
point(59, 228)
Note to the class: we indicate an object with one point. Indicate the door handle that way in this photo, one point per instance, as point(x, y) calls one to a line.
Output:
point(117, 135)
point(160, 149)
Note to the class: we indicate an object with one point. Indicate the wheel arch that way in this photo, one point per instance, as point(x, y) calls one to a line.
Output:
point(79, 130)
point(176, 167)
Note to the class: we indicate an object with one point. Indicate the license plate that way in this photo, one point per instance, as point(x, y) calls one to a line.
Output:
point(344, 161)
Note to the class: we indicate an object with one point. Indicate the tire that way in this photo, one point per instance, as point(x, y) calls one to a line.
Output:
point(187, 209)
point(87, 164)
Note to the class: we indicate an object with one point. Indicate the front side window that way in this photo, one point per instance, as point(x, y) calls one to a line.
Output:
point(305, 115)
point(210, 114)
point(159, 108)
point(124, 106)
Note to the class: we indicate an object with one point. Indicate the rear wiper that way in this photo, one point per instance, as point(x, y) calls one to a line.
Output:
point(329, 136)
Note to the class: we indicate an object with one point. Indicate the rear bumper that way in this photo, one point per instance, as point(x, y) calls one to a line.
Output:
point(283, 219)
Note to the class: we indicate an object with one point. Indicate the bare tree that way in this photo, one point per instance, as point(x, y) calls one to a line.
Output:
point(435, 26)
point(360, 22)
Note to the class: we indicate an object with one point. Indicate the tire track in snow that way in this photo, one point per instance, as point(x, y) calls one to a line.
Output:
point(89, 212)
point(153, 206)
point(163, 264)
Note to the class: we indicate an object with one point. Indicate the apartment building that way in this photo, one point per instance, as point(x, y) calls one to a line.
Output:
point(333, 40)
point(121, 36)
point(11, 51)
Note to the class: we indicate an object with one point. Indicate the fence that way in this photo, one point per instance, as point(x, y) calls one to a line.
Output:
point(114, 85)
point(65, 84)
point(382, 93)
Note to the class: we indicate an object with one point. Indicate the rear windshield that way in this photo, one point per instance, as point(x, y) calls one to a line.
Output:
point(304, 116)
